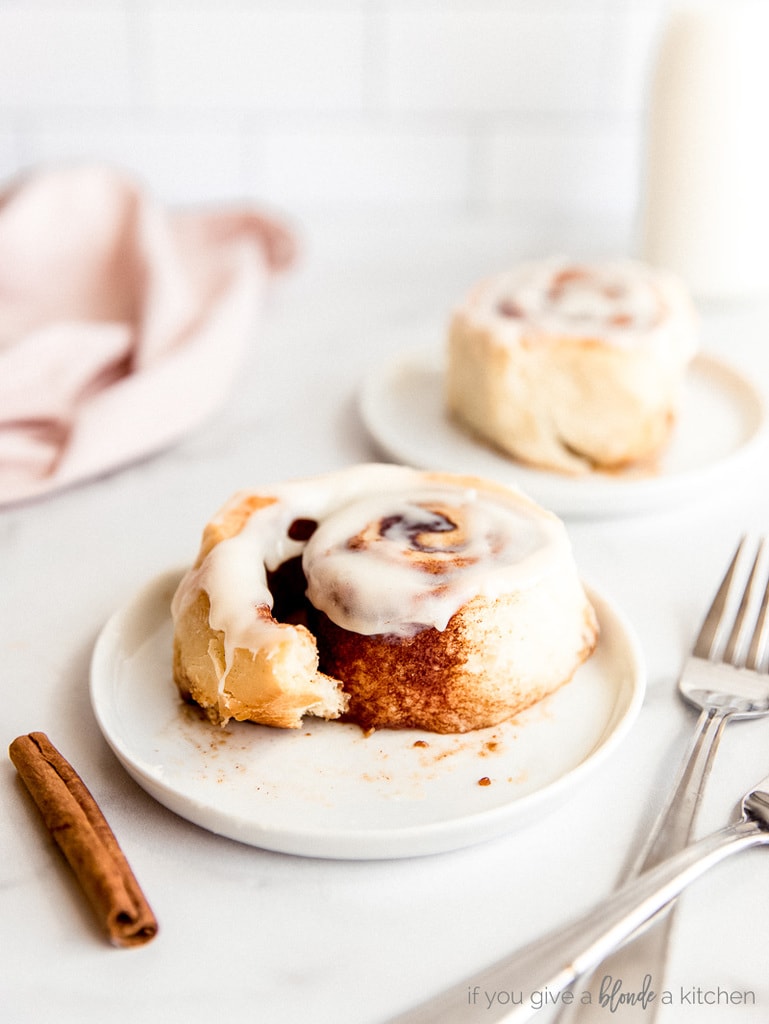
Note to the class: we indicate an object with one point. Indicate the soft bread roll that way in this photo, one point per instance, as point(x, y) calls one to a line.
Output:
point(571, 366)
point(396, 597)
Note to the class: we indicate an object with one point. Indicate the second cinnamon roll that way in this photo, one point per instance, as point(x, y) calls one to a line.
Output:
point(572, 366)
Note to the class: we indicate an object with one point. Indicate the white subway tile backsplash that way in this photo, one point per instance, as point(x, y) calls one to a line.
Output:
point(180, 161)
point(492, 57)
point(360, 163)
point(631, 45)
point(560, 168)
point(73, 56)
point(454, 104)
point(255, 58)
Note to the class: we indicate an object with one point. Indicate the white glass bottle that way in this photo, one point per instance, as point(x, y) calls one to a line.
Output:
point(705, 204)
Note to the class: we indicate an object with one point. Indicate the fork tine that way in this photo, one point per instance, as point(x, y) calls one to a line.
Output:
point(732, 651)
point(705, 642)
point(760, 632)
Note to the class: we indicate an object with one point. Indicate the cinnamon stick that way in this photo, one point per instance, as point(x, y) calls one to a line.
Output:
point(74, 820)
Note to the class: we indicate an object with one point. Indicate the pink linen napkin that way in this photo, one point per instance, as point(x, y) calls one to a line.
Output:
point(122, 323)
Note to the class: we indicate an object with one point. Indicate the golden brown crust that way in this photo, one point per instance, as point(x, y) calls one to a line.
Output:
point(431, 681)
point(560, 403)
point(568, 400)
point(231, 521)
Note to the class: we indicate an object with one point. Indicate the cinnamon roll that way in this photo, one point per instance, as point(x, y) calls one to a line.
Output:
point(383, 594)
point(572, 366)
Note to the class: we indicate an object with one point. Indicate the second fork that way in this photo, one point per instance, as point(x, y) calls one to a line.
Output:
point(726, 678)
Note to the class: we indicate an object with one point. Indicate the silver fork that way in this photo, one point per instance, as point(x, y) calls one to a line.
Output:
point(512, 989)
point(726, 677)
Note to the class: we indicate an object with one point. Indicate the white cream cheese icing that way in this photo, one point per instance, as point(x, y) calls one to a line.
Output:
point(395, 551)
point(623, 303)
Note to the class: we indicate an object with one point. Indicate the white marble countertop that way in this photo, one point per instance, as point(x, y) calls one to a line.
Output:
point(250, 935)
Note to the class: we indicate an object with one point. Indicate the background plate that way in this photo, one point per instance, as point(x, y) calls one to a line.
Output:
point(327, 790)
point(722, 421)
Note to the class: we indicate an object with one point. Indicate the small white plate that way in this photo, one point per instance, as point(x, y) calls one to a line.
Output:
point(328, 790)
point(721, 423)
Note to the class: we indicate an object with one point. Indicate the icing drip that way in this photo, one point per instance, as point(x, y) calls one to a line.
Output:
point(384, 549)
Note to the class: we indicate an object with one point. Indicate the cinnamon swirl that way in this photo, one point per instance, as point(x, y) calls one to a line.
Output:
point(572, 366)
point(391, 596)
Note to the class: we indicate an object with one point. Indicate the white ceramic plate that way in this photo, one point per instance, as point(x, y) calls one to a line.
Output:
point(328, 790)
point(721, 424)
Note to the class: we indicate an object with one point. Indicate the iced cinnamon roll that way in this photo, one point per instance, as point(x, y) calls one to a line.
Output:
point(572, 366)
point(384, 595)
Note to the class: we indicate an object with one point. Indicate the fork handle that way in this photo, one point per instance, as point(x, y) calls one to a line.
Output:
point(673, 827)
point(517, 987)
point(646, 952)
